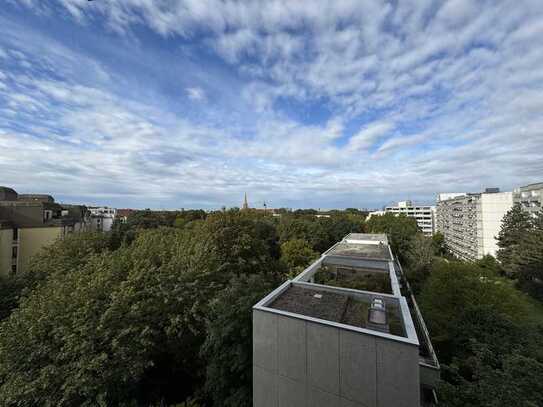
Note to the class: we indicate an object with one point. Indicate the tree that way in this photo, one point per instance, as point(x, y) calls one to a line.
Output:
point(487, 335)
point(419, 260)
point(227, 350)
point(528, 261)
point(439, 244)
point(515, 226)
point(305, 228)
point(516, 381)
point(462, 302)
point(297, 254)
point(124, 327)
point(400, 230)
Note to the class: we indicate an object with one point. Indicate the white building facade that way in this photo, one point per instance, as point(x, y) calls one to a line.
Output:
point(529, 197)
point(102, 218)
point(423, 214)
point(470, 223)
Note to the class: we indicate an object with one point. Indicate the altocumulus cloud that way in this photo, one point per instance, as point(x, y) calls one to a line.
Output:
point(324, 104)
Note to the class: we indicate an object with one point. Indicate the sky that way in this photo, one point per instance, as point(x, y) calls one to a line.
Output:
point(323, 104)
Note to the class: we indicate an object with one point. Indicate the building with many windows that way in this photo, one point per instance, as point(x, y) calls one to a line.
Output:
point(471, 222)
point(30, 222)
point(529, 197)
point(347, 331)
point(423, 214)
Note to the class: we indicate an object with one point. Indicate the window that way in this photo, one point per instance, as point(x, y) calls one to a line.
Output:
point(15, 234)
point(14, 269)
point(14, 252)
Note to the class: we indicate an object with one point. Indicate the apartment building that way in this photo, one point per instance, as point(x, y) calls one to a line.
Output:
point(347, 331)
point(529, 197)
point(102, 218)
point(30, 222)
point(471, 222)
point(423, 214)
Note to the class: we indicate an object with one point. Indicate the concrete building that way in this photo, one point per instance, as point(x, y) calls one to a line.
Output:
point(102, 218)
point(529, 197)
point(345, 332)
point(423, 214)
point(30, 222)
point(471, 222)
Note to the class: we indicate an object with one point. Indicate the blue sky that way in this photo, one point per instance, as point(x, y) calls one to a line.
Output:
point(170, 104)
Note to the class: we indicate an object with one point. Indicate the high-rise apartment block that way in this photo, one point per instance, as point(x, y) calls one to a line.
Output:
point(423, 214)
point(30, 222)
point(529, 197)
point(471, 222)
point(345, 332)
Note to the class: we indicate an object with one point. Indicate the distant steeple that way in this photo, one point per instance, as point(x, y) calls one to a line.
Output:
point(245, 204)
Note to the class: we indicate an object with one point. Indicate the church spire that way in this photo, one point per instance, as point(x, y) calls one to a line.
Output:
point(245, 204)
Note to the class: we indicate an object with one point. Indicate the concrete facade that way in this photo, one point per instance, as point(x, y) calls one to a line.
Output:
point(303, 361)
point(32, 240)
point(529, 197)
point(471, 222)
point(31, 222)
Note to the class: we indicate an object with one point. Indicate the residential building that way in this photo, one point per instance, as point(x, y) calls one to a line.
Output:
point(529, 197)
point(30, 222)
point(347, 331)
point(102, 218)
point(423, 214)
point(470, 222)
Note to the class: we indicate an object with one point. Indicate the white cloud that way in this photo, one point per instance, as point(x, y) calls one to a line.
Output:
point(368, 136)
point(196, 94)
point(452, 95)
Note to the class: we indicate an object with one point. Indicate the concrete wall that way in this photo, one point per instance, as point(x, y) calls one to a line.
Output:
point(493, 209)
point(32, 240)
point(6, 243)
point(302, 363)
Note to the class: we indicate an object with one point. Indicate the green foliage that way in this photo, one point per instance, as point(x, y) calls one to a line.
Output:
point(462, 302)
point(516, 381)
point(122, 327)
point(297, 254)
point(419, 260)
point(487, 335)
point(521, 249)
point(490, 263)
point(400, 230)
point(304, 228)
point(228, 346)
point(438, 240)
point(515, 225)
point(61, 257)
point(320, 233)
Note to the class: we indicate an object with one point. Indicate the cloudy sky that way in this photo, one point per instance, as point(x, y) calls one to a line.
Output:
point(326, 104)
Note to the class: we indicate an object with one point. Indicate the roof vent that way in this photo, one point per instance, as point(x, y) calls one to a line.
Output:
point(377, 313)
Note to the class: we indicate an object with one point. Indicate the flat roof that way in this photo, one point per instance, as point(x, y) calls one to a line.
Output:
point(361, 251)
point(377, 237)
point(335, 306)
